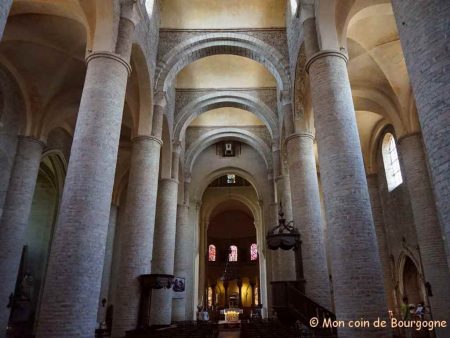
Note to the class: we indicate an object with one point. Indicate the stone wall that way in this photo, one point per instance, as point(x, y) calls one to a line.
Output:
point(399, 225)
point(147, 37)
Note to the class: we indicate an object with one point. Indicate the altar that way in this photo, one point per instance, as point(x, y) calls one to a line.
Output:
point(232, 319)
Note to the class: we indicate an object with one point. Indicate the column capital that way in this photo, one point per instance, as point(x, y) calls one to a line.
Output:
point(417, 134)
point(32, 139)
point(173, 180)
point(111, 56)
point(131, 10)
point(147, 137)
point(160, 99)
point(177, 147)
point(300, 135)
point(281, 177)
point(324, 53)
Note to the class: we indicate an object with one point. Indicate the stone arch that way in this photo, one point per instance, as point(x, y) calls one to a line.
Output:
point(94, 16)
point(347, 11)
point(224, 99)
point(143, 121)
point(373, 100)
point(54, 167)
point(15, 105)
point(302, 117)
point(257, 212)
point(222, 43)
point(201, 186)
point(404, 259)
point(374, 145)
point(165, 164)
point(253, 207)
point(214, 136)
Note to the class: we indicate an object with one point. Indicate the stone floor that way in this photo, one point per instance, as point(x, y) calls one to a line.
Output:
point(230, 334)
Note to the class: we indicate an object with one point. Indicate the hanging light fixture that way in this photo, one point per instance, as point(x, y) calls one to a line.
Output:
point(283, 236)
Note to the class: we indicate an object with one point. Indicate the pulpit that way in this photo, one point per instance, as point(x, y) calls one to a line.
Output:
point(148, 283)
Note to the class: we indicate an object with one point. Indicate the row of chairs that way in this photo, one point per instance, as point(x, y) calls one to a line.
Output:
point(270, 328)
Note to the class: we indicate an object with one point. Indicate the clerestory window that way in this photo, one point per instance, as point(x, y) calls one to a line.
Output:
point(391, 162)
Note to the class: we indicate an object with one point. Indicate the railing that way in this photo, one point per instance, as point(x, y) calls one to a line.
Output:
point(290, 301)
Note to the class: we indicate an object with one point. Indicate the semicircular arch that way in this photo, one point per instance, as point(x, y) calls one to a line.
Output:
point(219, 100)
point(222, 134)
point(222, 43)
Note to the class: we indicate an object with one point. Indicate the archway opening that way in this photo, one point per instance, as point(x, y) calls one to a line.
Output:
point(232, 261)
point(232, 254)
point(411, 282)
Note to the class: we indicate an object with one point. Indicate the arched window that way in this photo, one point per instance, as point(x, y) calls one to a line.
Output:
point(294, 7)
point(212, 253)
point(149, 4)
point(233, 255)
point(391, 162)
point(253, 252)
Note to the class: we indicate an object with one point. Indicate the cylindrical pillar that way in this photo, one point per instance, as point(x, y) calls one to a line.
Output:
point(239, 285)
point(428, 231)
point(284, 260)
point(137, 232)
point(356, 267)
point(70, 298)
point(5, 6)
point(380, 231)
point(106, 276)
point(214, 294)
point(423, 28)
point(182, 258)
point(307, 217)
point(14, 220)
point(164, 249)
point(72, 287)
point(253, 284)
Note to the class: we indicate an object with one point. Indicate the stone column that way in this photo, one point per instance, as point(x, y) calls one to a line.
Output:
point(356, 267)
point(432, 250)
point(106, 276)
point(183, 257)
point(14, 220)
point(284, 261)
point(307, 217)
point(253, 284)
point(164, 249)
point(424, 28)
point(5, 6)
point(239, 284)
point(380, 231)
point(137, 232)
point(113, 289)
point(70, 297)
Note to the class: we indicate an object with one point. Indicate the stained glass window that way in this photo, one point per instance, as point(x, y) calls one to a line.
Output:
point(253, 252)
point(233, 255)
point(212, 253)
point(391, 162)
point(210, 297)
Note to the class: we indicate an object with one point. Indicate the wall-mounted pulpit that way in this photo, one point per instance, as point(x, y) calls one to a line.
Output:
point(148, 283)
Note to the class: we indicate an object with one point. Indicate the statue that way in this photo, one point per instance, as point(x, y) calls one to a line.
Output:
point(26, 287)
